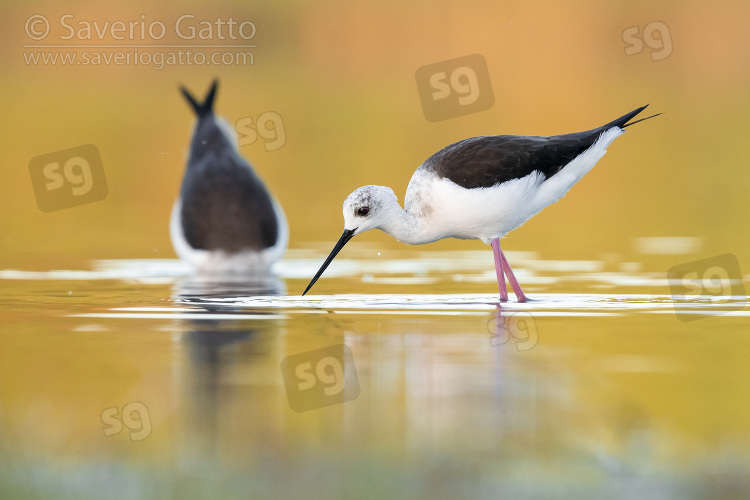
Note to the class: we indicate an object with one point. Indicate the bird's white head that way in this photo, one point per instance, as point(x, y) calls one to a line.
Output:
point(368, 207)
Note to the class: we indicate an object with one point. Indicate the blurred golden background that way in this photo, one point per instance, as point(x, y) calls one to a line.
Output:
point(632, 394)
point(341, 75)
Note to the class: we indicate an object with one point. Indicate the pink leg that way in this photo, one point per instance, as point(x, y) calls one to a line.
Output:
point(512, 277)
point(495, 243)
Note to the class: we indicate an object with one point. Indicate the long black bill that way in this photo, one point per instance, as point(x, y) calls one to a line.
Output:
point(348, 234)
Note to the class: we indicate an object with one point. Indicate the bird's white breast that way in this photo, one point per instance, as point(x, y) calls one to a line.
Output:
point(451, 211)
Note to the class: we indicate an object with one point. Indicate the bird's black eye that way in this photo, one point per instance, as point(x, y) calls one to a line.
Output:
point(363, 211)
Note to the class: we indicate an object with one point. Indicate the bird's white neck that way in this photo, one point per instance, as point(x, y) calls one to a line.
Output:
point(407, 228)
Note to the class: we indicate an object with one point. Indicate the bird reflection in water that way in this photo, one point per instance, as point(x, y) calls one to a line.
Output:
point(224, 370)
point(517, 325)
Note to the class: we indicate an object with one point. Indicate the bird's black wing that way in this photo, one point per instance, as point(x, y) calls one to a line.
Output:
point(225, 206)
point(487, 161)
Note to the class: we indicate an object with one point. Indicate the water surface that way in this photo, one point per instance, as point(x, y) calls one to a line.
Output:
point(134, 378)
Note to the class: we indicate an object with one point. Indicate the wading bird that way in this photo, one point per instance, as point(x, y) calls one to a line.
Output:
point(480, 188)
point(225, 219)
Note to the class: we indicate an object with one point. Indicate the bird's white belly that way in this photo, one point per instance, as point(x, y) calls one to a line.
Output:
point(448, 210)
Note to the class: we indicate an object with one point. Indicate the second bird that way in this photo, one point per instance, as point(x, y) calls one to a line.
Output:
point(225, 219)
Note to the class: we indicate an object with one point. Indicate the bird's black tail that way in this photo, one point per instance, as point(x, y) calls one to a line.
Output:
point(207, 106)
point(622, 122)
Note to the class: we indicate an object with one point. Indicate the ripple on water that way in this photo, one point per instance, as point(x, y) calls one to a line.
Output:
point(225, 296)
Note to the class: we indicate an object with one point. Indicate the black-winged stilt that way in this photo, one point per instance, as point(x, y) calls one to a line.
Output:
point(224, 219)
point(480, 188)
